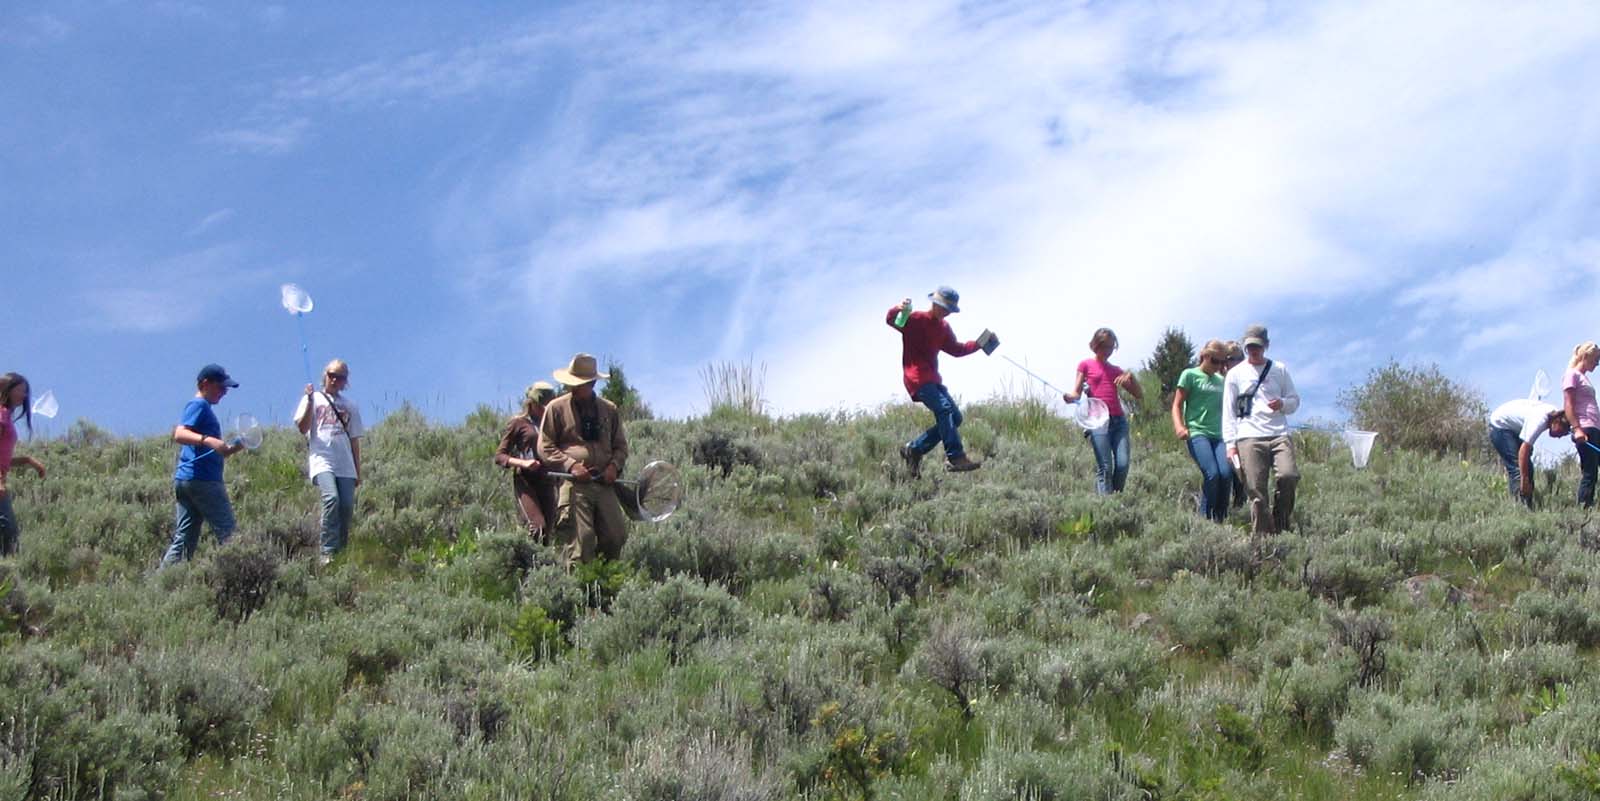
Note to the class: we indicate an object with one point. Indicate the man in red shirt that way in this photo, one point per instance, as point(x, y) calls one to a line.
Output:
point(922, 336)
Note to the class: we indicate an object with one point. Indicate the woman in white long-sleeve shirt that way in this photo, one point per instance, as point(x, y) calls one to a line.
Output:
point(1257, 398)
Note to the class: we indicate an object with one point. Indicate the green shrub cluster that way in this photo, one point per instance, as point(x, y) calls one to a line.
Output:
point(813, 623)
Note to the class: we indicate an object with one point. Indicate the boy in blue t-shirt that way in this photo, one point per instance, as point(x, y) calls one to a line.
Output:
point(197, 483)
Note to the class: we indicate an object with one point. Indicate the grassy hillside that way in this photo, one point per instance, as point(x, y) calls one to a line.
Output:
point(812, 624)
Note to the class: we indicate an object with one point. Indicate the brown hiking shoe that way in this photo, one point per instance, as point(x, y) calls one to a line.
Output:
point(912, 459)
point(961, 464)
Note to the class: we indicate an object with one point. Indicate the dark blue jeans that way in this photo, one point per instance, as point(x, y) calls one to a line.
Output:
point(946, 419)
point(1508, 444)
point(1588, 465)
point(1210, 454)
point(10, 531)
point(1110, 443)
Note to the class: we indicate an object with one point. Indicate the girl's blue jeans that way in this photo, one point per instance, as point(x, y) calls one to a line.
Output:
point(1210, 454)
point(1110, 443)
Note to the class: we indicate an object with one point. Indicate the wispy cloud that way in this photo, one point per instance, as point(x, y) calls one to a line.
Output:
point(210, 221)
point(429, 75)
point(33, 30)
point(168, 294)
point(271, 138)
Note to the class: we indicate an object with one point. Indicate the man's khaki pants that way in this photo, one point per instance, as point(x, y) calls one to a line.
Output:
point(589, 519)
point(1257, 456)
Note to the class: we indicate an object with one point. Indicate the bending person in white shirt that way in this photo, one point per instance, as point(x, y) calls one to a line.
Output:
point(1513, 428)
point(1257, 398)
point(332, 425)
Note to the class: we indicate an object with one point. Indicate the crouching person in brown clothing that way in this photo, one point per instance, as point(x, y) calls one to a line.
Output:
point(581, 434)
point(519, 452)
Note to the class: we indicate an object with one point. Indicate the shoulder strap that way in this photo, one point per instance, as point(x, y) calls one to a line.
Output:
point(1262, 376)
point(342, 417)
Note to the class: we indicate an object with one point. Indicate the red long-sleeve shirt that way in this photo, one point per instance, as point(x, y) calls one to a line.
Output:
point(921, 340)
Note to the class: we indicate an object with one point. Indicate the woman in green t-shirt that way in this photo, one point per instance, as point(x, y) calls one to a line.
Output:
point(1197, 419)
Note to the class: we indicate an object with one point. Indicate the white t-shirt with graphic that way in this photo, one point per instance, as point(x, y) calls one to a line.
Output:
point(329, 443)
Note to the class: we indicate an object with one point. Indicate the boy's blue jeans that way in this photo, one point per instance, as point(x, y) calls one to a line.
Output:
point(1509, 445)
point(946, 419)
point(1110, 443)
point(198, 502)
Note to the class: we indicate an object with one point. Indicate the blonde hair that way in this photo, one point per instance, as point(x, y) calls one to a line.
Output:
point(1234, 351)
point(337, 365)
point(1103, 336)
point(1216, 350)
point(1582, 352)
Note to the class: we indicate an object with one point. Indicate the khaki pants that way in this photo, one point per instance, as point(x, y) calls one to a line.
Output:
point(1257, 456)
point(589, 519)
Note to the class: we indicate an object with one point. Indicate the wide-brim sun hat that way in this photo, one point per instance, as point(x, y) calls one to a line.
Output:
point(946, 298)
point(582, 370)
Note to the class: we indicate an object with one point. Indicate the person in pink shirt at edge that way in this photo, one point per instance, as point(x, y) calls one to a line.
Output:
point(1585, 417)
point(15, 401)
point(1102, 379)
point(924, 334)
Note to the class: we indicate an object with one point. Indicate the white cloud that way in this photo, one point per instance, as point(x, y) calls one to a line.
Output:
point(1064, 167)
point(1493, 335)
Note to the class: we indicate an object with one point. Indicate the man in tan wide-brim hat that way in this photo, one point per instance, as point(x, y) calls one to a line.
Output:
point(581, 433)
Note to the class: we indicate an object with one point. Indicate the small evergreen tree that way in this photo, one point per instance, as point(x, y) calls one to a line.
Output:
point(619, 391)
point(1173, 354)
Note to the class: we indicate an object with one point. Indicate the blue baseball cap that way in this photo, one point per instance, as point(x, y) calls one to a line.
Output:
point(947, 298)
point(214, 372)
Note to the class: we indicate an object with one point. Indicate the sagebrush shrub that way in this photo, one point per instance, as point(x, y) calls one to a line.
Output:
point(215, 701)
point(1100, 661)
point(719, 449)
point(1207, 615)
point(678, 613)
point(670, 766)
point(242, 576)
point(1413, 740)
point(951, 658)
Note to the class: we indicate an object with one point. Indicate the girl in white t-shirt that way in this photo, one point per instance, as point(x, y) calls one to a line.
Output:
point(331, 422)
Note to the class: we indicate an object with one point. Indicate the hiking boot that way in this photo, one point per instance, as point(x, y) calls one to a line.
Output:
point(961, 464)
point(912, 459)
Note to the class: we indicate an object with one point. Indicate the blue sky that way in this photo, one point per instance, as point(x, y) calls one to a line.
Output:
point(473, 192)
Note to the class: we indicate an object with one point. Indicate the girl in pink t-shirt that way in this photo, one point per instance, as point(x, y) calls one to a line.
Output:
point(1101, 379)
point(1579, 402)
point(14, 401)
